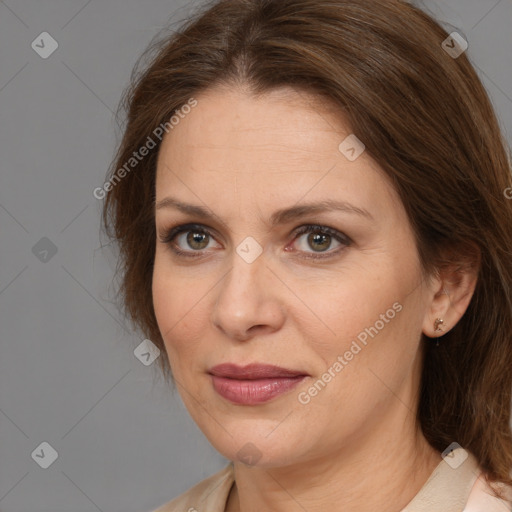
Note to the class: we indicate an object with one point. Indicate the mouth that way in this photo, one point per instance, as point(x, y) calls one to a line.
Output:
point(253, 384)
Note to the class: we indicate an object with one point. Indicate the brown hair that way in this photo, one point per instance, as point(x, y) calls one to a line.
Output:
point(424, 117)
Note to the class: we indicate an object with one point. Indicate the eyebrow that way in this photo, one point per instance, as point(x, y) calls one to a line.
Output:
point(279, 217)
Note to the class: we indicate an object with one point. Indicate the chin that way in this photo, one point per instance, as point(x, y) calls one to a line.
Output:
point(262, 447)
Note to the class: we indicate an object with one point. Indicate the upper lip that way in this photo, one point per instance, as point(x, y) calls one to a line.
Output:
point(252, 371)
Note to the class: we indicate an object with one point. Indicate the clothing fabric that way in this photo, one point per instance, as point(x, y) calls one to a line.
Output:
point(450, 488)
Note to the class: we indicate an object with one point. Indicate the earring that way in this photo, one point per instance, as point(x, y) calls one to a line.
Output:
point(437, 328)
point(436, 324)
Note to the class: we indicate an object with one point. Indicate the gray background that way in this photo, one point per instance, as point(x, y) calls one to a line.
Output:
point(68, 374)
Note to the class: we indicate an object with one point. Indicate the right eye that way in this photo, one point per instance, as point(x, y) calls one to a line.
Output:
point(193, 235)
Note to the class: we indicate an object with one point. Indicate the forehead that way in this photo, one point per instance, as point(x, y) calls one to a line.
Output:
point(279, 147)
point(236, 117)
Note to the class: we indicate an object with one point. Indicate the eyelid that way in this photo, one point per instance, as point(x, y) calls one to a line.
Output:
point(167, 235)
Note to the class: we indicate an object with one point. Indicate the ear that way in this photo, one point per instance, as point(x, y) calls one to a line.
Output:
point(451, 291)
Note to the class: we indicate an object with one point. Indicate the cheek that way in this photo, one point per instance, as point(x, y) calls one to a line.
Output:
point(369, 322)
point(346, 309)
point(164, 302)
point(367, 367)
point(178, 309)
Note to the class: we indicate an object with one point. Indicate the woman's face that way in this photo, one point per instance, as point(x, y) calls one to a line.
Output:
point(249, 290)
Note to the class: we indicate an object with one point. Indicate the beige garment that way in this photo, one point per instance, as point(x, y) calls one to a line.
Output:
point(448, 489)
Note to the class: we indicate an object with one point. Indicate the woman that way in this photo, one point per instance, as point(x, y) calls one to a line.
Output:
point(309, 204)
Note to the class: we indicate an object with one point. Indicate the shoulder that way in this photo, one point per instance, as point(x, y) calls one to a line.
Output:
point(210, 494)
point(482, 498)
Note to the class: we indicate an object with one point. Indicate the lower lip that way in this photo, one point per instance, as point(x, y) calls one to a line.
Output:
point(250, 392)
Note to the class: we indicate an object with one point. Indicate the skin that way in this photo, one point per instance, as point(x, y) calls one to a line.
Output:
point(243, 158)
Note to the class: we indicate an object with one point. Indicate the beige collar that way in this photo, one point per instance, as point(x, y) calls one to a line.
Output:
point(449, 486)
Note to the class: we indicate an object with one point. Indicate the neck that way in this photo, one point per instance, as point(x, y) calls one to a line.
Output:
point(382, 476)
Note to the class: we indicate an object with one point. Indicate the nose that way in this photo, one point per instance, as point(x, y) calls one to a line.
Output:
point(248, 301)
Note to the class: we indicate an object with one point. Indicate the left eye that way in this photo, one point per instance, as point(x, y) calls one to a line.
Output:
point(321, 237)
point(197, 237)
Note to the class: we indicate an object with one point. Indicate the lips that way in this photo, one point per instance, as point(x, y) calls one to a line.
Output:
point(253, 384)
point(253, 371)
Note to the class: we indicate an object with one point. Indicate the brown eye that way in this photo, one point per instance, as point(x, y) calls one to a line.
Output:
point(187, 240)
point(320, 239)
point(190, 240)
point(196, 240)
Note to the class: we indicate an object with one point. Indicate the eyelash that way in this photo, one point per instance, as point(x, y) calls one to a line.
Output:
point(168, 237)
